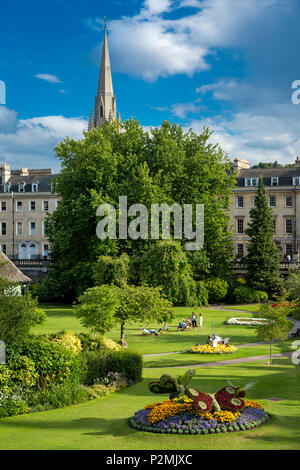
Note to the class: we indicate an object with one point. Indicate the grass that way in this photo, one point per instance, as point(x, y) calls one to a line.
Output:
point(60, 317)
point(103, 423)
point(244, 307)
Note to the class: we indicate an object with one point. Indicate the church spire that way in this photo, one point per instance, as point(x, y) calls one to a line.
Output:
point(105, 103)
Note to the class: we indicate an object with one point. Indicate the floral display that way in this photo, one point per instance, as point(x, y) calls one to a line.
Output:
point(196, 412)
point(207, 349)
point(246, 321)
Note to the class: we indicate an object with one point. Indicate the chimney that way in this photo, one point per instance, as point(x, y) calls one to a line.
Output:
point(24, 172)
point(241, 163)
point(297, 162)
point(4, 173)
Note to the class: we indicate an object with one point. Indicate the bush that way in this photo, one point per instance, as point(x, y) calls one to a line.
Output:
point(66, 339)
point(11, 405)
point(18, 314)
point(202, 293)
point(57, 396)
point(246, 295)
point(217, 289)
point(96, 342)
point(53, 362)
point(127, 363)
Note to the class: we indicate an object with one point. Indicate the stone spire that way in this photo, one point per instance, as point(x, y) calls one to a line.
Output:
point(105, 102)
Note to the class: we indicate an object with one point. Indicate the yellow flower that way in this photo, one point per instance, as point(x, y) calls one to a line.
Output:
point(253, 404)
point(207, 349)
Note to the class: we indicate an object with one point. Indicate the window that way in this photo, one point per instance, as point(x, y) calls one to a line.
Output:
point(19, 228)
point(45, 205)
point(57, 204)
point(251, 182)
point(240, 249)
point(296, 180)
point(240, 226)
point(3, 249)
point(19, 205)
point(289, 249)
point(274, 225)
point(3, 206)
point(288, 201)
point(288, 226)
point(32, 205)
point(44, 227)
point(32, 228)
point(34, 187)
point(240, 201)
point(21, 188)
point(6, 188)
point(274, 181)
point(3, 228)
point(272, 201)
point(45, 250)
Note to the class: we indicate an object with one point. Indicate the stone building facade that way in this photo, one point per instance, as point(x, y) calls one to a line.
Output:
point(283, 192)
point(25, 201)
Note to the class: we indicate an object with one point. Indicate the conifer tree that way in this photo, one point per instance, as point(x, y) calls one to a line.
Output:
point(263, 259)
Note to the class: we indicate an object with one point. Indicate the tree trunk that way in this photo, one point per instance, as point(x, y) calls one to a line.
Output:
point(271, 343)
point(122, 341)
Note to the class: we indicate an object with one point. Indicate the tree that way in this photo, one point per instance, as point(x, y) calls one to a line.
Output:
point(101, 307)
point(263, 259)
point(166, 265)
point(277, 325)
point(109, 270)
point(18, 313)
point(164, 166)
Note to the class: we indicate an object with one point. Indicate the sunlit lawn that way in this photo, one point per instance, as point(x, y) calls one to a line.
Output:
point(61, 317)
point(103, 423)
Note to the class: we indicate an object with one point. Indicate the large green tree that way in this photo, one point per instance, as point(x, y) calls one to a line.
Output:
point(166, 165)
point(263, 259)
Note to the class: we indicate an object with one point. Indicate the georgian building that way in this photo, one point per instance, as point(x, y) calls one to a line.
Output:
point(283, 192)
point(25, 201)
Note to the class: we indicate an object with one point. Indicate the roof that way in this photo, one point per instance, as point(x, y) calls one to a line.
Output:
point(43, 180)
point(285, 175)
point(9, 271)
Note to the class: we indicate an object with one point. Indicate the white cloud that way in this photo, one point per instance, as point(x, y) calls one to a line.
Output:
point(150, 45)
point(30, 142)
point(254, 137)
point(47, 78)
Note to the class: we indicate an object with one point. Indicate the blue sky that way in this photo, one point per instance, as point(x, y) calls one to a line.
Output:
point(228, 64)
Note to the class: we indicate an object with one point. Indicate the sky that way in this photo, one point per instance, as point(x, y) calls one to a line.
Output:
point(226, 64)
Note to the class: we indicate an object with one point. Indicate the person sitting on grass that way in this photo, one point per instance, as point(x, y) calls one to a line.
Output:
point(182, 325)
point(150, 332)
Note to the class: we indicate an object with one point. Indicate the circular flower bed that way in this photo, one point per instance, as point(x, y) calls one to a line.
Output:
point(246, 321)
point(180, 416)
point(207, 349)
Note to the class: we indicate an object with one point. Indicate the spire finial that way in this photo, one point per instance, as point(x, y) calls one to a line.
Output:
point(105, 26)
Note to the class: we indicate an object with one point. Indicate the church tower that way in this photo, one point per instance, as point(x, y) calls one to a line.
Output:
point(105, 102)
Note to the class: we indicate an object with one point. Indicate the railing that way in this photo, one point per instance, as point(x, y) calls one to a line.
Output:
point(31, 262)
point(283, 265)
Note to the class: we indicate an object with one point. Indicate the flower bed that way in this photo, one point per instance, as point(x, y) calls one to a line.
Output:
point(207, 349)
point(246, 321)
point(179, 416)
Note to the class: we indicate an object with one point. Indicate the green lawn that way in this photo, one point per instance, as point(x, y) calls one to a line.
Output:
point(245, 307)
point(103, 423)
point(60, 317)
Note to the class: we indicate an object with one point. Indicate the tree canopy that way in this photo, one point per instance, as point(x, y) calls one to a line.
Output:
point(166, 165)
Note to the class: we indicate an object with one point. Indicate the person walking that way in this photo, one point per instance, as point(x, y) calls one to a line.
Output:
point(200, 322)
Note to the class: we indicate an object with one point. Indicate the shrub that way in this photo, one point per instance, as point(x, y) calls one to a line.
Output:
point(57, 396)
point(5, 379)
point(66, 339)
point(202, 293)
point(11, 405)
point(260, 296)
point(217, 289)
point(96, 342)
point(18, 314)
point(244, 295)
point(53, 362)
point(125, 362)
